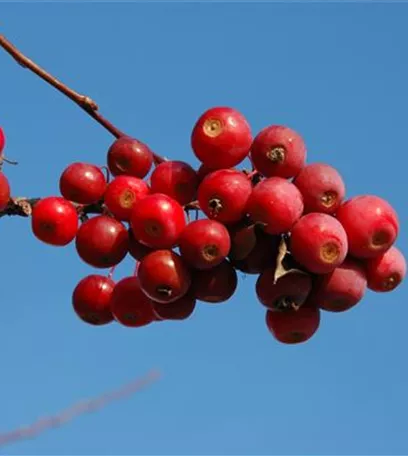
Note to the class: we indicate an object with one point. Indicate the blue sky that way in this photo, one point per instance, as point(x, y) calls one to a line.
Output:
point(336, 73)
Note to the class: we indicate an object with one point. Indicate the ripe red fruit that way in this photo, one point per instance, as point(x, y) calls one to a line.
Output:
point(91, 299)
point(293, 326)
point(387, 271)
point(177, 310)
point(215, 285)
point(221, 138)
point(278, 151)
point(82, 183)
point(342, 289)
point(223, 195)
point(204, 243)
point(158, 221)
point(243, 240)
point(123, 193)
point(129, 305)
point(129, 156)
point(163, 275)
point(102, 242)
point(54, 221)
point(4, 191)
point(371, 225)
point(136, 249)
point(203, 171)
point(322, 188)
point(318, 242)
point(2, 140)
point(176, 179)
point(289, 292)
point(276, 203)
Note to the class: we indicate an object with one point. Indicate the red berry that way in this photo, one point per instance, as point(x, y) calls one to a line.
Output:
point(129, 156)
point(4, 191)
point(276, 203)
point(176, 179)
point(102, 242)
point(293, 326)
point(322, 188)
point(243, 240)
point(319, 243)
point(123, 193)
point(136, 249)
point(278, 151)
point(129, 305)
point(158, 221)
point(91, 299)
point(289, 292)
point(163, 276)
point(203, 171)
point(82, 183)
point(204, 243)
point(177, 310)
point(387, 271)
point(54, 220)
point(223, 195)
point(2, 140)
point(221, 138)
point(215, 285)
point(371, 225)
point(342, 289)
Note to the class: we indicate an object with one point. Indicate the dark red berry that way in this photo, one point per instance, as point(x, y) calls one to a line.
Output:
point(91, 299)
point(203, 171)
point(221, 138)
point(163, 276)
point(223, 195)
point(4, 191)
point(385, 272)
point(137, 249)
point(82, 183)
point(129, 156)
point(177, 310)
point(54, 220)
point(2, 140)
point(243, 240)
point(278, 151)
point(158, 221)
point(322, 188)
point(102, 242)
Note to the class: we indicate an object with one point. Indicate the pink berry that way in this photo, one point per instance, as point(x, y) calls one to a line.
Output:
point(4, 191)
point(276, 203)
point(278, 151)
point(82, 183)
point(157, 221)
point(204, 243)
point(2, 140)
point(176, 179)
point(318, 242)
point(342, 289)
point(123, 193)
point(385, 272)
point(221, 138)
point(371, 225)
point(223, 195)
point(129, 156)
point(322, 188)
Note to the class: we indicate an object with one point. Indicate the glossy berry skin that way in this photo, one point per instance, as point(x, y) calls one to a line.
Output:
point(276, 203)
point(289, 292)
point(215, 285)
point(279, 151)
point(136, 249)
point(371, 225)
point(177, 310)
point(221, 138)
point(322, 188)
point(319, 243)
point(176, 179)
point(129, 305)
point(102, 242)
point(4, 191)
point(129, 156)
point(91, 299)
point(164, 277)
point(204, 243)
point(2, 140)
point(123, 193)
point(82, 183)
point(387, 271)
point(54, 221)
point(294, 326)
point(342, 289)
point(157, 221)
point(223, 195)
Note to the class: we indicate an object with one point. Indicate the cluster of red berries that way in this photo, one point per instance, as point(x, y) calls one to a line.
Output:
point(284, 220)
